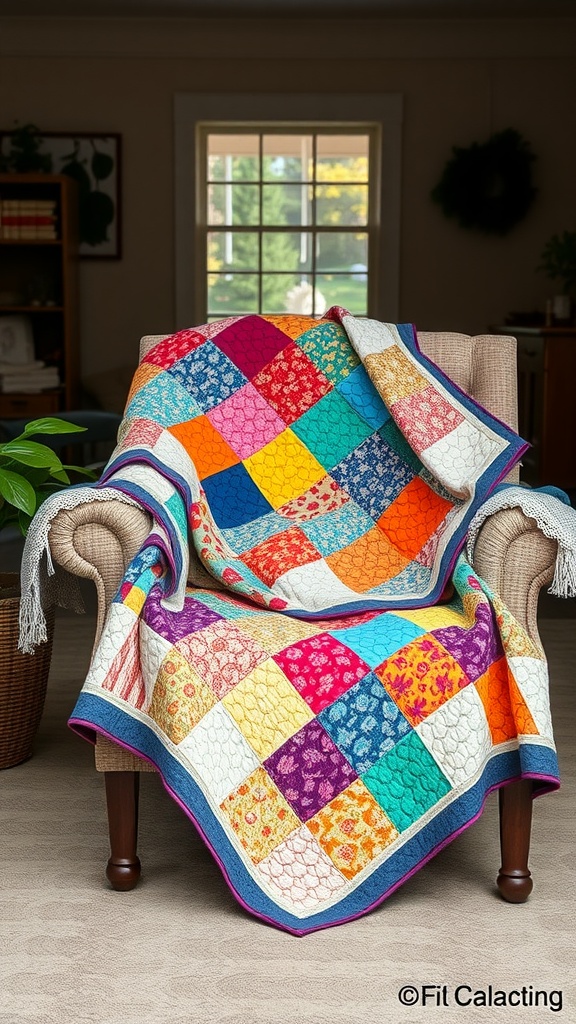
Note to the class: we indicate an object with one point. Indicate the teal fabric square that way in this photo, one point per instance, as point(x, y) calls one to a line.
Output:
point(330, 350)
point(359, 390)
point(331, 429)
point(378, 638)
point(177, 510)
point(164, 400)
point(335, 530)
point(406, 782)
point(390, 433)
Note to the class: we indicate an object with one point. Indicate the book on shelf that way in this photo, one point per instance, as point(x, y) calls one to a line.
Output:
point(29, 381)
point(28, 219)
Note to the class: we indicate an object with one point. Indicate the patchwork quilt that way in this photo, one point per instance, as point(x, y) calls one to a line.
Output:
point(322, 680)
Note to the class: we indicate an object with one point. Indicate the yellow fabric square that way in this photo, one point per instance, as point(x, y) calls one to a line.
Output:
point(275, 632)
point(180, 698)
point(135, 600)
point(394, 375)
point(284, 468)
point(267, 708)
point(435, 618)
point(259, 815)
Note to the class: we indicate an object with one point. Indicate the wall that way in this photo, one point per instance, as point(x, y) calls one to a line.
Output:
point(461, 80)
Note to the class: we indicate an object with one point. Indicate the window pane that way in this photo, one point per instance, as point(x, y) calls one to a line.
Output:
point(234, 204)
point(343, 251)
point(342, 204)
point(344, 290)
point(286, 157)
point(232, 293)
point(237, 250)
point(287, 250)
point(286, 204)
point(233, 158)
point(342, 157)
point(291, 293)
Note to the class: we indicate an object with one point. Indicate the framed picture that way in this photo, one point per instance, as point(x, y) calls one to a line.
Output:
point(94, 161)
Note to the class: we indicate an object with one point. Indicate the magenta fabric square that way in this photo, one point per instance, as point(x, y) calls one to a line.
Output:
point(246, 421)
point(310, 770)
point(321, 668)
point(251, 343)
point(425, 417)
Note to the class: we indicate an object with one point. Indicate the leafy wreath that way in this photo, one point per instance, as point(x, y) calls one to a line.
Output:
point(488, 185)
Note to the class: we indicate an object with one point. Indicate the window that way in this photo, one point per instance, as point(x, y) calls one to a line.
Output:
point(286, 203)
point(286, 218)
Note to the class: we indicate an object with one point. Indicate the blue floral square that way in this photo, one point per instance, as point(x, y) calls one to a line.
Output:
point(364, 723)
point(208, 375)
point(373, 474)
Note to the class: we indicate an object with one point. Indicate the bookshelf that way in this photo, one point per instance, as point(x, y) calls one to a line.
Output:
point(39, 280)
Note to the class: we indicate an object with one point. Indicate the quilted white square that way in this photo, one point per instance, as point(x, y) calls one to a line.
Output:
point(369, 337)
point(531, 674)
point(300, 872)
point(169, 450)
point(307, 586)
point(218, 752)
point(459, 458)
point(120, 621)
point(148, 479)
point(458, 736)
point(153, 650)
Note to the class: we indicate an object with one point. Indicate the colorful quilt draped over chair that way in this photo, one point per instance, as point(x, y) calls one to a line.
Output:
point(322, 680)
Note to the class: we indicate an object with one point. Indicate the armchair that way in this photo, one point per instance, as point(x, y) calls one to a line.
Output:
point(98, 540)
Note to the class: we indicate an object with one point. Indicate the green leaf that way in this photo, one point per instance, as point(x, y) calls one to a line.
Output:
point(17, 491)
point(51, 425)
point(31, 453)
point(82, 470)
point(60, 474)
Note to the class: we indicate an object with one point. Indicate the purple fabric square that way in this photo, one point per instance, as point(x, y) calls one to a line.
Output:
point(175, 625)
point(474, 649)
point(251, 343)
point(310, 770)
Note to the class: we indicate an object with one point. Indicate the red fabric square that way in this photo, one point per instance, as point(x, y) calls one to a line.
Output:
point(321, 669)
point(274, 556)
point(291, 383)
point(169, 351)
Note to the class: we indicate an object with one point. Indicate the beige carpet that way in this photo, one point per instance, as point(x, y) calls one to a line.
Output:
point(179, 950)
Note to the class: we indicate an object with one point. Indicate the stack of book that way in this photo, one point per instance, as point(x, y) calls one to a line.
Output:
point(28, 378)
point(28, 219)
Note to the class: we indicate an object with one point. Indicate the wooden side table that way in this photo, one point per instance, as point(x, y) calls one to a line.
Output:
point(547, 402)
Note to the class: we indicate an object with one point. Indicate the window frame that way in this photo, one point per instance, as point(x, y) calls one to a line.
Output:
point(381, 114)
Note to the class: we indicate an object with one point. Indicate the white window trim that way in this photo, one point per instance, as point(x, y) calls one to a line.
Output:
point(384, 109)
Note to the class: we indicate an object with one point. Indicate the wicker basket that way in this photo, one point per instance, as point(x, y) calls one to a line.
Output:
point(23, 678)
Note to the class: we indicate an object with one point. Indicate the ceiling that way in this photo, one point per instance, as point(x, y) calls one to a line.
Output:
point(285, 8)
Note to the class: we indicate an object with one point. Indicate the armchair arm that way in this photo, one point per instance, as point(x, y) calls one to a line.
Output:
point(516, 560)
point(98, 540)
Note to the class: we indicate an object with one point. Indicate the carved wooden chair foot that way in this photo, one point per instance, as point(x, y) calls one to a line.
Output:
point(514, 879)
point(122, 789)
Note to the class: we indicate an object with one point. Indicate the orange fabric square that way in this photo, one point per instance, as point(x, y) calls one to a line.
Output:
point(291, 325)
point(413, 517)
point(494, 691)
point(368, 561)
point(208, 450)
point(144, 374)
point(421, 676)
point(352, 829)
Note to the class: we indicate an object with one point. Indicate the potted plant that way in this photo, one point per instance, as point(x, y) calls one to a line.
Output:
point(29, 472)
point(559, 263)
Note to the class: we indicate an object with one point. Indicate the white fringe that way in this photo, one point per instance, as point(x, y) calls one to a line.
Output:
point(41, 584)
point(556, 520)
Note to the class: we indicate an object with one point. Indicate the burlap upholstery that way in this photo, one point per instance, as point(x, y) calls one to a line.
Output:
point(97, 541)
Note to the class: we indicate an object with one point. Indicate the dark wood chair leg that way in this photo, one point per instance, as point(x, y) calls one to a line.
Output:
point(514, 880)
point(122, 788)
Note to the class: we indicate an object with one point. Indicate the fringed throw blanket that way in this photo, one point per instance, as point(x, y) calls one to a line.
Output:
point(336, 694)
